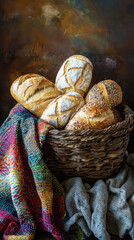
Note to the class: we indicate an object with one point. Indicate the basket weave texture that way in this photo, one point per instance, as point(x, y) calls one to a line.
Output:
point(89, 154)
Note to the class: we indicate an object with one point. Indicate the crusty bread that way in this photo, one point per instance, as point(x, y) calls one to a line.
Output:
point(75, 75)
point(106, 94)
point(62, 109)
point(86, 118)
point(34, 92)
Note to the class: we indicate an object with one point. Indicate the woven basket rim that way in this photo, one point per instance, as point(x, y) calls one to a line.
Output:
point(89, 154)
point(129, 118)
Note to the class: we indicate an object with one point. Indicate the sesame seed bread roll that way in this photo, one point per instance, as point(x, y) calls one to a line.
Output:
point(34, 92)
point(62, 109)
point(86, 119)
point(106, 94)
point(75, 75)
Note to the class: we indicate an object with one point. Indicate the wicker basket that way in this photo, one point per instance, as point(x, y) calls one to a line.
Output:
point(89, 154)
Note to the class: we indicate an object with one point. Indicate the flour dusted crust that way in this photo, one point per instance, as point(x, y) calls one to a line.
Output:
point(34, 92)
point(75, 75)
point(62, 109)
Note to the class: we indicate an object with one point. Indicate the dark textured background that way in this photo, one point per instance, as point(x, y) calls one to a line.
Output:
point(37, 36)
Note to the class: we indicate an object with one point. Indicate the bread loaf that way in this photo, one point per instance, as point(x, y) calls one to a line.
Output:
point(60, 110)
point(75, 75)
point(34, 92)
point(86, 118)
point(104, 95)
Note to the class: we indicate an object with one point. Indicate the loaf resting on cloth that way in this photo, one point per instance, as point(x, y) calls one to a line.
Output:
point(105, 208)
point(31, 198)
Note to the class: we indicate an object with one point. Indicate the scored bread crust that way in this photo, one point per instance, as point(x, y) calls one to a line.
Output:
point(62, 109)
point(104, 95)
point(86, 119)
point(97, 101)
point(75, 75)
point(34, 92)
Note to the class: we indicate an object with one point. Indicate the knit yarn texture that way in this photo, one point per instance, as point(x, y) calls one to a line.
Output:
point(31, 198)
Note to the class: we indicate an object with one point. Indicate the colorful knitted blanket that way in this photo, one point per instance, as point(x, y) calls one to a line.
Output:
point(31, 198)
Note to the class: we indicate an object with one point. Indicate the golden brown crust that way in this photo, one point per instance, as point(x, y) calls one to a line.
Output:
point(114, 92)
point(34, 92)
point(104, 95)
point(86, 118)
point(97, 101)
point(105, 120)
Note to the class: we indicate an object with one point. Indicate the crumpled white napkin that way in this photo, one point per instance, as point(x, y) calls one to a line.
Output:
point(106, 208)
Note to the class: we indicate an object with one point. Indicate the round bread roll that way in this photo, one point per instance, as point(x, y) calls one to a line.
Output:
point(62, 109)
point(86, 118)
point(104, 95)
point(75, 75)
point(34, 92)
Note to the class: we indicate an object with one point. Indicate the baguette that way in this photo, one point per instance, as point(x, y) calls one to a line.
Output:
point(75, 75)
point(34, 92)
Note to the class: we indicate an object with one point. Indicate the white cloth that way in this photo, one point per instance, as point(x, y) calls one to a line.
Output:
point(105, 208)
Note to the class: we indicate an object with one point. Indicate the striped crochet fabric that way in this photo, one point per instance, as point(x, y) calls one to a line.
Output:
point(31, 198)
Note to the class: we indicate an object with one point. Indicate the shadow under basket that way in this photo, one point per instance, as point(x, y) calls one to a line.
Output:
point(89, 154)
